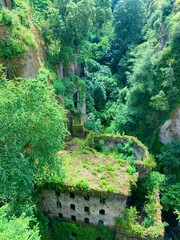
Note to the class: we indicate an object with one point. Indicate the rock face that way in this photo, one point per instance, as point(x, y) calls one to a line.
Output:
point(170, 130)
point(25, 66)
point(7, 3)
point(74, 67)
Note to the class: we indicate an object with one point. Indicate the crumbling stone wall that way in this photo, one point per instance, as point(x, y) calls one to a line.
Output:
point(113, 141)
point(83, 208)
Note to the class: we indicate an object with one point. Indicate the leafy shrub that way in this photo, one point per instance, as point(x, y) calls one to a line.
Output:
point(103, 183)
point(111, 167)
point(85, 165)
point(99, 146)
point(7, 17)
point(100, 168)
point(82, 184)
point(11, 47)
point(102, 176)
point(94, 172)
point(130, 170)
point(110, 188)
point(65, 230)
point(58, 86)
point(93, 124)
point(126, 149)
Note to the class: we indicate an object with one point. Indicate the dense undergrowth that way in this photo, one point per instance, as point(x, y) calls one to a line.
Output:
point(127, 53)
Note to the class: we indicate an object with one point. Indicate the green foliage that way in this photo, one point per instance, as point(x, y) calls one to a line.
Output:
point(16, 228)
point(18, 37)
point(59, 87)
point(103, 183)
point(103, 39)
point(170, 197)
point(67, 230)
point(100, 168)
point(99, 146)
point(127, 32)
point(152, 76)
point(150, 162)
point(153, 182)
point(130, 170)
point(6, 17)
point(126, 149)
point(130, 224)
point(82, 184)
point(149, 225)
point(93, 124)
point(99, 96)
point(159, 102)
point(168, 163)
point(110, 188)
point(32, 130)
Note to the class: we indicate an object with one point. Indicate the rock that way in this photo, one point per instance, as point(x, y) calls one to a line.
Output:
point(7, 3)
point(170, 130)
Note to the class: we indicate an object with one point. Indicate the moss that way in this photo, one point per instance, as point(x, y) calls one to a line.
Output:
point(131, 226)
point(78, 130)
point(149, 162)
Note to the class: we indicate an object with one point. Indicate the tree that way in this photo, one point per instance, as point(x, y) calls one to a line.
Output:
point(16, 228)
point(128, 23)
point(169, 161)
point(170, 197)
point(32, 130)
point(77, 18)
point(99, 95)
point(169, 164)
point(103, 12)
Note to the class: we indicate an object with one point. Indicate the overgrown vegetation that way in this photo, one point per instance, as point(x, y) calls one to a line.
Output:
point(19, 36)
point(28, 106)
point(69, 230)
point(87, 170)
point(115, 60)
point(148, 224)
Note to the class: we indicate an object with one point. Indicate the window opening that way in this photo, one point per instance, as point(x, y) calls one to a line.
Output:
point(73, 207)
point(60, 215)
point(86, 220)
point(57, 193)
point(102, 211)
point(73, 218)
point(86, 209)
point(86, 197)
point(101, 222)
point(59, 204)
point(72, 195)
